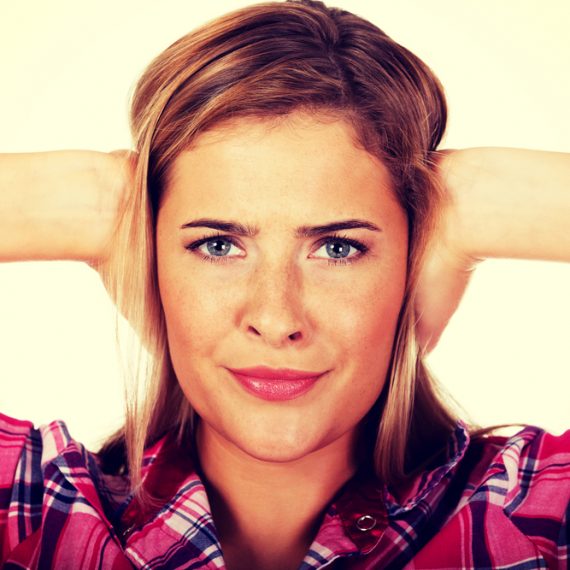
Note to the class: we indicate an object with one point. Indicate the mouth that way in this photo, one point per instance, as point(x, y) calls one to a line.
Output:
point(275, 384)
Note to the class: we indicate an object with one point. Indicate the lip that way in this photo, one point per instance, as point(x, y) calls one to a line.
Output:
point(267, 373)
point(276, 384)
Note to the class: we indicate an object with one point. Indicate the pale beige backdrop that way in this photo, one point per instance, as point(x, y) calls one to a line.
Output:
point(67, 67)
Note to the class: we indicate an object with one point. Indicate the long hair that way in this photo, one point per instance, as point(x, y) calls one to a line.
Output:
point(266, 61)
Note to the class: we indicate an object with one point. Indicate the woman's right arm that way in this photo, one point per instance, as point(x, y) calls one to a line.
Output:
point(61, 204)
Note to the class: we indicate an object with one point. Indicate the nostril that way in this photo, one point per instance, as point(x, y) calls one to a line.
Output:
point(295, 336)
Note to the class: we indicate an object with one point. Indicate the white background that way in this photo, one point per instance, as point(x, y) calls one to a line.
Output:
point(67, 68)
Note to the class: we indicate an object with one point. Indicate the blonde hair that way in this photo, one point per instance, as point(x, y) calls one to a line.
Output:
point(266, 61)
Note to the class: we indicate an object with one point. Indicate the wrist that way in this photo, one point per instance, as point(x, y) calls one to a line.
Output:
point(55, 205)
point(462, 215)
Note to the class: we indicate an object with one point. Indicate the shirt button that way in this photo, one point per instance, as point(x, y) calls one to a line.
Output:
point(365, 523)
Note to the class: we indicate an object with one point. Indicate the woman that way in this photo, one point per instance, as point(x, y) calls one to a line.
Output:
point(275, 241)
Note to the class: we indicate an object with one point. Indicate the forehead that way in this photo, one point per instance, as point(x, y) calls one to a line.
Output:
point(301, 162)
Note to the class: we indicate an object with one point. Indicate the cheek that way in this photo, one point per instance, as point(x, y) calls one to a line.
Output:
point(384, 306)
point(371, 303)
point(368, 324)
point(371, 324)
point(193, 315)
point(198, 309)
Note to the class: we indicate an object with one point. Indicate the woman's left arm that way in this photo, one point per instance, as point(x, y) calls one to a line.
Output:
point(499, 202)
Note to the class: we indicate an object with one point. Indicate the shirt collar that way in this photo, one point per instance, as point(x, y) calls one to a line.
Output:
point(363, 505)
point(430, 483)
point(354, 521)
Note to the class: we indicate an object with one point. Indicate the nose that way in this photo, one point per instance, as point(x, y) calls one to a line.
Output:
point(275, 312)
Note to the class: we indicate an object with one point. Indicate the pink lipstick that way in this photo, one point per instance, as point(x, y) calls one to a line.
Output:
point(275, 383)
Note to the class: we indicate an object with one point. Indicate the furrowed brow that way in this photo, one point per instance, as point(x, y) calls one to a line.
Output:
point(223, 226)
point(301, 232)
point(312, 231)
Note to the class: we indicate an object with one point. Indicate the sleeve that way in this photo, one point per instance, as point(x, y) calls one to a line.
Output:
point(20, 482)
point(538, 501)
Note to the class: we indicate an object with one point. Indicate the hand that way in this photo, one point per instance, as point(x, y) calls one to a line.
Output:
point(498, 203)
point(446, 269)
point(116, 182)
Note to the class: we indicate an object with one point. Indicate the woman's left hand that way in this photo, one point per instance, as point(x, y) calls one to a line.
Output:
point(499, 203)
point(446, 269)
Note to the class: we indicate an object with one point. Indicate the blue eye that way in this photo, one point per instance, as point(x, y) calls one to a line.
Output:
point(338, 248)
point(217, 248)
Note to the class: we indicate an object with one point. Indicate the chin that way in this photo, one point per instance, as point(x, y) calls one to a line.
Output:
point(279, 447)
point(275, 454)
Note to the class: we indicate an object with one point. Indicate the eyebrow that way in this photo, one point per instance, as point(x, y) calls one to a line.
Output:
point(301, 232)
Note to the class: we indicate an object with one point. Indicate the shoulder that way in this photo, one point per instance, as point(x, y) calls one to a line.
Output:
point(13, 432)
point(53, 493)
point(25, 451)
point(29, 453)
point(526, 478)
point(504, 502)
point(527, 459)
point(19, 438)
point(39, 461)
point(537, 468)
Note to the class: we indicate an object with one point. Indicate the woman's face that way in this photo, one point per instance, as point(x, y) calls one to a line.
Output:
point(287, 294)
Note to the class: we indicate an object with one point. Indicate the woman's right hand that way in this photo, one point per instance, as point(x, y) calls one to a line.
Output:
point(61, 204)
point(116, 183)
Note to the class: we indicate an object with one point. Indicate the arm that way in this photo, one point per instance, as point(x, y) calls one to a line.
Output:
point(509, 203)
point(59, 205)
point(500, 203)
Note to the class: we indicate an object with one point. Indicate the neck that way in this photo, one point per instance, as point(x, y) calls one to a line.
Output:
point(269, 510)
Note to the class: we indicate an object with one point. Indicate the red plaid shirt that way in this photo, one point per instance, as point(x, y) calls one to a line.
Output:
point(494, 503)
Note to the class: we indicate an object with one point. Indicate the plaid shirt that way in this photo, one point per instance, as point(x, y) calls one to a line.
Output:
point(494, 503)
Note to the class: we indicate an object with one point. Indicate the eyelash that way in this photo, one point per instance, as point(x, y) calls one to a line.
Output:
point(193, 247)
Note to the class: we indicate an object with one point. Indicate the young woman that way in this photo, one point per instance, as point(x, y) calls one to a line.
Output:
point(288, 243)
